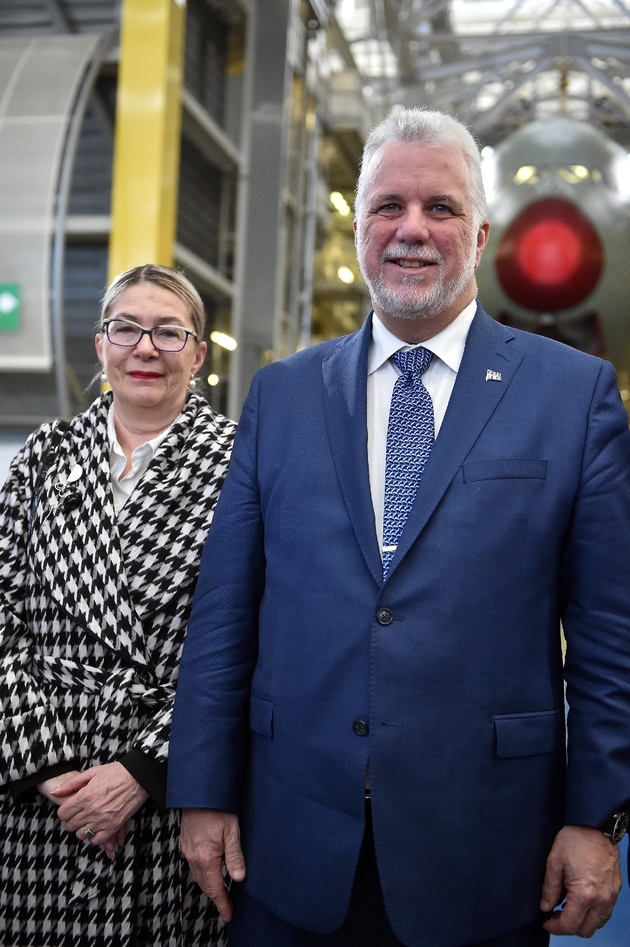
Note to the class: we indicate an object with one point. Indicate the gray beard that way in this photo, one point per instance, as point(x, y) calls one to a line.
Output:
point(424, 303)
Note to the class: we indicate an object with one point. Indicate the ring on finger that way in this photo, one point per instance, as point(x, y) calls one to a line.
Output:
point(87, 832)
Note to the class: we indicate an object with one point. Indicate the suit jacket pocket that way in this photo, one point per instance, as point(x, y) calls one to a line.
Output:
point(528, 734)
point(505, 468)
point(261, 715)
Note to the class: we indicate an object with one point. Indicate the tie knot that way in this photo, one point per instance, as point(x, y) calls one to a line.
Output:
point(413, 360)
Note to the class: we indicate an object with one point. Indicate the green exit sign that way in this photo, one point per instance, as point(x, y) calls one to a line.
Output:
point(10, 306)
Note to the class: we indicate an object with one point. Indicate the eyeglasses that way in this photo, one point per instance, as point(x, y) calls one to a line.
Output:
point(163, 338)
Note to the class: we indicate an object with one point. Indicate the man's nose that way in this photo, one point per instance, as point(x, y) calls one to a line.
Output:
point(413, 226)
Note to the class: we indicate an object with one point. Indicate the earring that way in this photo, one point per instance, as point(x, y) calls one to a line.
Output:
point(192, 384)
point(103, 375)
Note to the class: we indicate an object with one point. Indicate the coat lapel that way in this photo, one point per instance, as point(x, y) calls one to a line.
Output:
point(164, 523)
point(77, 551)
point(489, 347)
point(345, 412)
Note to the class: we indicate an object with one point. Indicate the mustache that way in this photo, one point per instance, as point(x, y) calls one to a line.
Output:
point(424, 255)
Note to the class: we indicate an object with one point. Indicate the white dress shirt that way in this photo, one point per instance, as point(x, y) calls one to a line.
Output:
point(448, 348)
point(141, 457)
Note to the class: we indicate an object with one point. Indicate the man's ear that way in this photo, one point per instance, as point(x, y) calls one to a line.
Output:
point(482, 240)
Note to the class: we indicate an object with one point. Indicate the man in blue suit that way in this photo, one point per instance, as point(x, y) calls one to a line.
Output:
point(372, 683)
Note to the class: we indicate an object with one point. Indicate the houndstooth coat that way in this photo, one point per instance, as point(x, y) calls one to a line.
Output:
point(93, 610)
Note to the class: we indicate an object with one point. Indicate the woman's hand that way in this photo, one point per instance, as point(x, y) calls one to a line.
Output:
point(101, 799)
point(117, 840)
point(49, 786)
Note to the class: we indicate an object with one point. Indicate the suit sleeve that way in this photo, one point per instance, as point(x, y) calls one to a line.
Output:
point(210, 721)
point(32, 738)
point(596, 616)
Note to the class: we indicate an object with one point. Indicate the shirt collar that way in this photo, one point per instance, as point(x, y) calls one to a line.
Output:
point(114, 445)
point(448, 345)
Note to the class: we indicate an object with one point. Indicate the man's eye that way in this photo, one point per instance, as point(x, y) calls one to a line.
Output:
point(389, 207)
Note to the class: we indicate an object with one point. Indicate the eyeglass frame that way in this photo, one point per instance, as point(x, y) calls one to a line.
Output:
point(149, 332)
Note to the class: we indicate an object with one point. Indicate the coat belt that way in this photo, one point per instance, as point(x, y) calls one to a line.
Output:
point(81, 677)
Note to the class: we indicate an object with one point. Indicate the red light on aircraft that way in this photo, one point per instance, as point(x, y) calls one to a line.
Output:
point(550, 258)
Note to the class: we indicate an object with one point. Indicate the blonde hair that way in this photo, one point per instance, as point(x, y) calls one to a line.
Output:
point(165, 277)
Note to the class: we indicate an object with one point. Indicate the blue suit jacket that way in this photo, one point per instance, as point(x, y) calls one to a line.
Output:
point(522, 519)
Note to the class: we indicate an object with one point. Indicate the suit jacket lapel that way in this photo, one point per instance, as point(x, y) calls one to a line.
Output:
point(345, 411)
point(489, 347)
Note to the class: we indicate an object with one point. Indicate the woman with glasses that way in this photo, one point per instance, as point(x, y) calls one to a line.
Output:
point(102, 522)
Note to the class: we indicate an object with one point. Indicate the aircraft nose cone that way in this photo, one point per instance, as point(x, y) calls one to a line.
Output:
point(550, 253)
point(550, 258)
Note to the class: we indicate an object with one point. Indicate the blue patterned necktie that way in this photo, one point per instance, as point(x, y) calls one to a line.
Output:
point(410, 436)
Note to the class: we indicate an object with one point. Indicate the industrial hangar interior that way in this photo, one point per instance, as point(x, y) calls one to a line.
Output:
point(243, 176)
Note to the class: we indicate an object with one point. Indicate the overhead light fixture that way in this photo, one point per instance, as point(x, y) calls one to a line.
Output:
point(525, 174)
point(345, 274)
point(340, 204)
point(224, 340)
point(579, 171)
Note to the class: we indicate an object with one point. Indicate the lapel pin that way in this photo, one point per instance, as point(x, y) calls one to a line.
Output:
point(75, 474)
point(493, 376)
point(68, 495)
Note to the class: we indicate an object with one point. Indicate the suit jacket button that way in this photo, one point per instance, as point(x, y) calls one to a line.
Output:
point(361, 728)
point(384, 616)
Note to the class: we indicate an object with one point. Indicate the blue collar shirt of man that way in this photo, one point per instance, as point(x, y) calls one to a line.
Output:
point(308, 666)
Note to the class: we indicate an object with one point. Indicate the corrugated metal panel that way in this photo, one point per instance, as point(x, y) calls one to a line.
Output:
point(216, 395)
point(199, 203)
point(27, 398)
point(85, 277)
point(76, 16)
point(20, 15)
point(206, 50)
point(88, 16)
point(92, 175)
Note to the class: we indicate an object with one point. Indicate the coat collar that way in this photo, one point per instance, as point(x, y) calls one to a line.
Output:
point(79, 555)
point(165, 521)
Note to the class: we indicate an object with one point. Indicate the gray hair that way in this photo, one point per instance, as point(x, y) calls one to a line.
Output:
point(432, 128)
point(165, 277)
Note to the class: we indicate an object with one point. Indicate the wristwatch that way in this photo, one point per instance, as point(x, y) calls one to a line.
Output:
point(616, 828)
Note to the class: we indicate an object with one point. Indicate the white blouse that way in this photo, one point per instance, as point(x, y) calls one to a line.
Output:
point(142, 456)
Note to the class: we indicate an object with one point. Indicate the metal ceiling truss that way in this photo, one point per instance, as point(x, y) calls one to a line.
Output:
point(511, 63)
point(530, 62)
